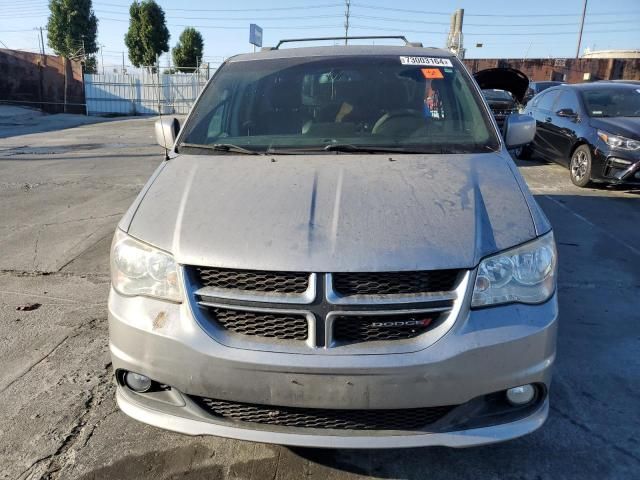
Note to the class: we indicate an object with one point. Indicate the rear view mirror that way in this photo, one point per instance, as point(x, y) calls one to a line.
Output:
point(519, 130)
point(566, 112)
point(167, 129)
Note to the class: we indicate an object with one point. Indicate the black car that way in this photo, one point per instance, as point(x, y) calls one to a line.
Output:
point(502, 104)
point(538, 87)
point(592, 128)
point(504, 89)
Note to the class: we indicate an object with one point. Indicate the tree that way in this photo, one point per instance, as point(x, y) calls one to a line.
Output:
point(187, 54)
point(72, 28)
point(90, 64)
point(148, 35)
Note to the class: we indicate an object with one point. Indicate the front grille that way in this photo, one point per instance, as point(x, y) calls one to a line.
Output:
point(398, 419)
point(394, 283)
point(282, 326)
point(252, 280)
point(371, 328)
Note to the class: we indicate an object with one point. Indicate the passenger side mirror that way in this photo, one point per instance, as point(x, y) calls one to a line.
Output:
point(519, 130)
point(567, 113)
point(167, 129)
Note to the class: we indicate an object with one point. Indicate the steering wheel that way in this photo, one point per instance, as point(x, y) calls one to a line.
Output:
point(386, 121)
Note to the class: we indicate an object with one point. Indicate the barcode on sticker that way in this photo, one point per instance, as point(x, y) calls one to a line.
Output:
point(429, 61)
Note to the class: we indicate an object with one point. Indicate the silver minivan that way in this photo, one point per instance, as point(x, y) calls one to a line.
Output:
point(338, 251)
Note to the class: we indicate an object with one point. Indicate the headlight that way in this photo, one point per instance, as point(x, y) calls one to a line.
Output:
point(139, 269)
point(617, 141)
point(525, 274)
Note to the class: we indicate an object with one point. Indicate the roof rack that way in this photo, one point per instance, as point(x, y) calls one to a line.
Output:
point(379, 37)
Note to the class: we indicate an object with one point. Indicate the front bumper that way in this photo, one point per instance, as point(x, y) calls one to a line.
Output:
point(617, 167)
point(485, 351)
point(458, 439)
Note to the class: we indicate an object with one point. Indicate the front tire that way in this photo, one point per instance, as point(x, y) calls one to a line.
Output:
point(523, 153)
point(580, 166)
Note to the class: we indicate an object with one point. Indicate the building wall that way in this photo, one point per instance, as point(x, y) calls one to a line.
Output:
point(569, 70)
point(37, 80)
point(611, 53)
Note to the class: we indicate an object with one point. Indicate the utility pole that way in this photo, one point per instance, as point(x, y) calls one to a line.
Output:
point(347, 14)
point(123, 71)
point(42, 41)
point(584, 13)
point(455, 38)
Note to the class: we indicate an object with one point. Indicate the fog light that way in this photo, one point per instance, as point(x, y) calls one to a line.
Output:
point(521, 395)
point(136, 382)
point(620, 161)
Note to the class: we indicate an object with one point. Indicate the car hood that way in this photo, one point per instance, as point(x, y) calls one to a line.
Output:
point(625, 126)
point(332, 213)
point(508, 79)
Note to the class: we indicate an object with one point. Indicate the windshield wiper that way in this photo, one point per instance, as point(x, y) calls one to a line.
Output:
point(221, 147)
point(349, 148)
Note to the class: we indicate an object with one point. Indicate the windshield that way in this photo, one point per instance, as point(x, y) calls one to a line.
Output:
point(309, 104)
point(622, 101)
point(497, 95)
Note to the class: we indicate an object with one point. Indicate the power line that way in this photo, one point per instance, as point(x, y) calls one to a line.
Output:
point(267, 9)
point(230, 27)
point(302, 17)
point(375, 28)
point(426, 12)
point(428, 22)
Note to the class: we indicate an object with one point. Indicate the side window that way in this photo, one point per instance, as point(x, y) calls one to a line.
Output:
point(536, 100)
point(547, 100)
point(567, 99)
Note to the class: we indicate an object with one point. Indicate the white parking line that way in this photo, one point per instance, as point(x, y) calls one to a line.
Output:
point(593, 225)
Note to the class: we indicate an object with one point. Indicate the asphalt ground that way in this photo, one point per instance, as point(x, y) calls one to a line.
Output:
point(62, 192)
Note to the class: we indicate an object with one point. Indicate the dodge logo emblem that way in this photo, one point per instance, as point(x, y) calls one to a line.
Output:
point(412, 322)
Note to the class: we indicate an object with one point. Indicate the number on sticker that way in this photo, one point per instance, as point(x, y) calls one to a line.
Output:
point(429, 61)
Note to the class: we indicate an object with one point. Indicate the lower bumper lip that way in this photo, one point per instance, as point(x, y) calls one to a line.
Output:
point(457, 439)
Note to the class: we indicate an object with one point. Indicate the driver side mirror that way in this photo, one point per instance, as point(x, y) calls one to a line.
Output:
point(519, 130)
point(167, 129)
point(566, 113)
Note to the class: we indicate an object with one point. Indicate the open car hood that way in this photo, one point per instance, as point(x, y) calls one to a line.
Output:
point(509, 79)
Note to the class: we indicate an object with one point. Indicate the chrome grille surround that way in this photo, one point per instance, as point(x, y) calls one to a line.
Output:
point(322, 307)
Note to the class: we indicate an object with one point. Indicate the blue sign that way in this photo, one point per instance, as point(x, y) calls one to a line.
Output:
point(255, 35)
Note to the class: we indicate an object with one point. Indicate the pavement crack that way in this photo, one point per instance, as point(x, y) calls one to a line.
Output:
point(69, 301)
point(96, 425)
point(25, 473)
point(77, 331)
point(35, 250)
point(66, 264)
point(593, 433)
point(275, 473)
point(82, 431)
point(34, 365)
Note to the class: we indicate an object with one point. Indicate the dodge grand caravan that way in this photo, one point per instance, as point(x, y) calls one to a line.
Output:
point(338, 251)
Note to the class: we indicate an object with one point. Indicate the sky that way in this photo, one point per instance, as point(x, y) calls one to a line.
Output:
point(506, 29)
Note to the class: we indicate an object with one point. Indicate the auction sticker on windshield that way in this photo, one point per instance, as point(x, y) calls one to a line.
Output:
point(429, 61)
